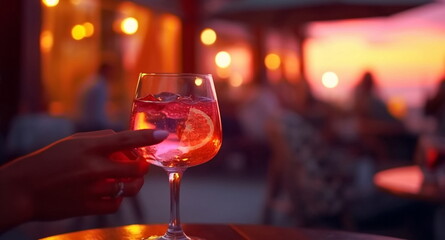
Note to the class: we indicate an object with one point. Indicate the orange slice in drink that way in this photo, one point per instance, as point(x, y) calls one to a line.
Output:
point(198, 131)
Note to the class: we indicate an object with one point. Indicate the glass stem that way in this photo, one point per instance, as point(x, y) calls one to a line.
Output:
point(174, 230)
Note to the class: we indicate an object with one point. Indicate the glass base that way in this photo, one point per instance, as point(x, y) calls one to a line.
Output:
point(165, 237)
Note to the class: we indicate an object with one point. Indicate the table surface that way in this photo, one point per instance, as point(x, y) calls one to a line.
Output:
point(408, 182)
point(216, 232)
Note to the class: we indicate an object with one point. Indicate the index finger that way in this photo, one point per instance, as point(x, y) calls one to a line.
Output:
point(129, 139)
point(93, 133)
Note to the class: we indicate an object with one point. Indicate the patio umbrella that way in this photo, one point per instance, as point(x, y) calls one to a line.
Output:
point(297, 13)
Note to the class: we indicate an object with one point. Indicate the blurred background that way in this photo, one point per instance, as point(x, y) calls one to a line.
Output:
point(315, 96)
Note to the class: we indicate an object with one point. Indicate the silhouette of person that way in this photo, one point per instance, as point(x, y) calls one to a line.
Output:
point(376, 126)
point(93, 101)
point(435, 107)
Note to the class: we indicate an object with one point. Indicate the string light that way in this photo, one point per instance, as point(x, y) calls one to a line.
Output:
point(208, 36)
point(223, 59)
point(50, 3)
point(129, 25)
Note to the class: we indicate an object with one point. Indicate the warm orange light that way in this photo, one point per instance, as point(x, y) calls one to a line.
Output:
point(397, 107)
point(129, 25)
point(78, 32)
point(142, 124)
point(241, 61)
point(292, 67)
point(50, 3)
point(223, 59)
point(236, 80)
point(406, 179)
point(56, 108)
point(406, 61)
point(46, 41)
point(208, 36)
point(223, 72)
point(329, 80)
point(198, 81)
point(133, 229)
point(89, 29)
point(272, 61)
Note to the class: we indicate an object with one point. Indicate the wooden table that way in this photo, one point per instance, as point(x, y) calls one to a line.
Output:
point(408, 182)
point(216, 232)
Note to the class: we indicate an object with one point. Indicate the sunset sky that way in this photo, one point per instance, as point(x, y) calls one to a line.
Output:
point(406, 52)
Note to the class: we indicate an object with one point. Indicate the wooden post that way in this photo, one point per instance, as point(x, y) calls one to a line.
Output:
point(190, 23)
point(10, 58)
point(31, 88)
point(259, 71)
point(300, 34)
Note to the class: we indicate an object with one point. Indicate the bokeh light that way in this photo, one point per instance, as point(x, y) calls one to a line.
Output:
point(89, 29)
point(133, 230)
point(129, 25)
point(236, 80)
point(272, 61)
point(198, 81)
point(46, 41)
point(223, 59)
point(50, 3)
point(397, 107)
point(291, 67)
point(56, 108)
point(223, 73)
point(208, 36)
point(329, 80)
point(78, 32)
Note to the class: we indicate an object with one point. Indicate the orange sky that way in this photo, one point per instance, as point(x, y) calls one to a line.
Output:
point(406, 52)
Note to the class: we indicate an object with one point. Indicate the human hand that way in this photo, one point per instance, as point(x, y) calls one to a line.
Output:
point(74, 176)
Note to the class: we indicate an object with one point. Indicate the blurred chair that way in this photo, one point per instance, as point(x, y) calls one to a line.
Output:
point(260, 107)
point(382, 136)
point(315, 176)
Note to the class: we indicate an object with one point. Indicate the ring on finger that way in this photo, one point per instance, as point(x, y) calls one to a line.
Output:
point(120, 189)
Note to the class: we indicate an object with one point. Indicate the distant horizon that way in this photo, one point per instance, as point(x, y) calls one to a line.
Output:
point(406, 52)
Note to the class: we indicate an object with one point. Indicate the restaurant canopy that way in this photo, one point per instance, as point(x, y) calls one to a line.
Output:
point(303, 11)
point(296, 14)
point(293, 14)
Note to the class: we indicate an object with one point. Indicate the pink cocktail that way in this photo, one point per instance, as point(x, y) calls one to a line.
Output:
point(194, 127)
point(186, 106)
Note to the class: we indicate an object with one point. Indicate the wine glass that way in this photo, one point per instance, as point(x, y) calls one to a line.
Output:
point(186, 106)
point(430, 156)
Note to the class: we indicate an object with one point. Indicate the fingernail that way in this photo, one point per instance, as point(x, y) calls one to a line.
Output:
point(160, 134)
